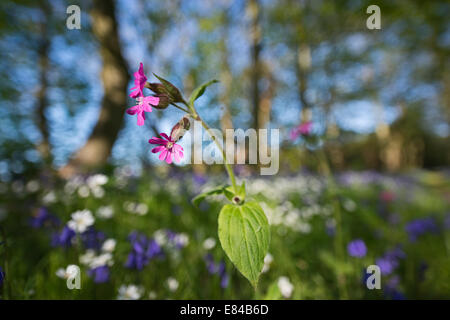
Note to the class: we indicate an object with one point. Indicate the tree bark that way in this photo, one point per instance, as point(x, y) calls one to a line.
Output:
point(41, 95)
point(114, 75)
point(254, 11)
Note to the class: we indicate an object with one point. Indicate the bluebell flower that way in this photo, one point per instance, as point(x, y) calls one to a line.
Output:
point(64, 238)
point(391, 289)
point(2, 276)
point(418, 227)
point(153, 249)
point(447, 221)
point(92, 239)
point(423, 267)
point(100, 274)
point(143, 250)
point(357, 248)
point(43, 218)
point(217, 269)
point(390, 260)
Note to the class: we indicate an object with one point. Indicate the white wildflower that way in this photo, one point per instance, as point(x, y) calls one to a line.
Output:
point(87, 257)
point(70, 271)
point(267, 262)
point(209, 243)
point(160, 237)
point(49, 198)
point(81, 220)
point(83, 191)
point(109, 245)
point(96, 180)
point(152, 295)
point(285, 286)
point(104, 259)
point(173, 284)
point(130, 292)
point(32, 186)
point(141, 209)
point(105, 212)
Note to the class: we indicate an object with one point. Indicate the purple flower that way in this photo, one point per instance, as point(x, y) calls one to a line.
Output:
point(217, 269)
point(92, 239)
point(153, 249)
point(64, 238)
point(100, 274)
point(224, 281)
point(390, 260)
point(199, 179)
point(143, 250)
point(418, 227)
point(391, 289)
point(2, 276)
point(357, 248)
point(423, 266)
point(43, 218)
point(447, 221)
point(387, 266)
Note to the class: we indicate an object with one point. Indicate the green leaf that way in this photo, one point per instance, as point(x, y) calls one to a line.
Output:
point(199, 198)
point(199, 91)
point(229, 193)
point(244, 235)
point(241, 192)
point(172, 91)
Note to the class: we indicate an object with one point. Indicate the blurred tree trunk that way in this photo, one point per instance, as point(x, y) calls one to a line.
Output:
point(41, 95)
point(225, 77)
point(254, 12)
point(114, 77)
point(303, 64)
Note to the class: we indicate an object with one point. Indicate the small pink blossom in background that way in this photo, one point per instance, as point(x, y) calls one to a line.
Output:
point(144, 105)
point(139, 82)
point(387, 196)
point(168, 148)
point(303, 129)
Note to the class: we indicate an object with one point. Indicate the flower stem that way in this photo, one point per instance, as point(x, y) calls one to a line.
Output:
point(181, 108)
point(208, 129)
point(339, 243)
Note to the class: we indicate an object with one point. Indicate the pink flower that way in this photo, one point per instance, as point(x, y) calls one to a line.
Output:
point(168, 148)
point(387, 196)
point(303, 129)
point(139, 82)
point(144, 105)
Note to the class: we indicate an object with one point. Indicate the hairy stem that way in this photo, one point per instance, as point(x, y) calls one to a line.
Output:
point(339, 243)
point(181, 108)
point(228, 168)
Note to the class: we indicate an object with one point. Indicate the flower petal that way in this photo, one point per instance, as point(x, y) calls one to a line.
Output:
point(165, 136)
point(140, 118)
point(177, 147)
point(158, 149)
point(152, 100)
point(132, 111)
point(178, 156)
point(156, 140)
point(163, 155)
point(169, 157)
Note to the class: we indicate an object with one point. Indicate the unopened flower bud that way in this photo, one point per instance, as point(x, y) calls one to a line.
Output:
point(163, 101)
point(180, 128)
point(157, 88)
